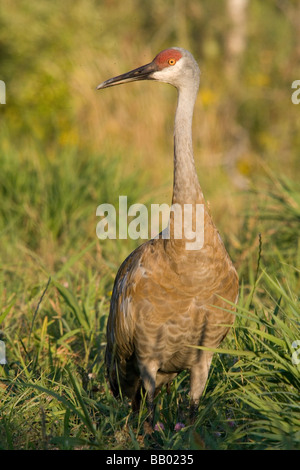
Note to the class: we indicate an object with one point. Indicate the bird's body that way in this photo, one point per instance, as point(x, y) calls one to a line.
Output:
point(168, 299)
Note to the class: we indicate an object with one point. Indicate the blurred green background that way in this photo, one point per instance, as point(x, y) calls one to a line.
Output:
point(53, 56)
point(66, 148)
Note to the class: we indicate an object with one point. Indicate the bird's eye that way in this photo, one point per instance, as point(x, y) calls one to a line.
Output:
point(171, 61)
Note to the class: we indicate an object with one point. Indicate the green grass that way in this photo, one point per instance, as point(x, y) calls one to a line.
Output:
point(53, 389)
point(65, 149)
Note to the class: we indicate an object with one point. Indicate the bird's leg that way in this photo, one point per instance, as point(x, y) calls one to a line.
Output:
point(199, 374)
point(193, 411)
point(136, 400)
point(149, 424)
point(148, 374)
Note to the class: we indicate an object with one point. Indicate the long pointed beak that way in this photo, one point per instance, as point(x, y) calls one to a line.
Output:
point(141, 73)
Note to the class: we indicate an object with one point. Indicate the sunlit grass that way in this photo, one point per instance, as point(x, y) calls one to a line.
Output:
point(53, 388)
point(65, 149)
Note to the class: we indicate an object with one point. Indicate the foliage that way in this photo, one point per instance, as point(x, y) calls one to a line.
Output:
point(65, 149)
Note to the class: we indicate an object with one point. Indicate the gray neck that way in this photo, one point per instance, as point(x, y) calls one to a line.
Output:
point(186, 187)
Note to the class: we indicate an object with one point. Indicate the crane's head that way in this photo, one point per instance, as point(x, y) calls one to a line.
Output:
point(175, 66)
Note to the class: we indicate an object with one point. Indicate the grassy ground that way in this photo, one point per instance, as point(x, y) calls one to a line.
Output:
point(65, 149)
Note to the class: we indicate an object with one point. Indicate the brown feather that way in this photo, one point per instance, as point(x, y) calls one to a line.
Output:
point(164, 300)
point(167, 298)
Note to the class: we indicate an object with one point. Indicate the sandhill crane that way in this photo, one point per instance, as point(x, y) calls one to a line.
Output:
point(166, 298)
